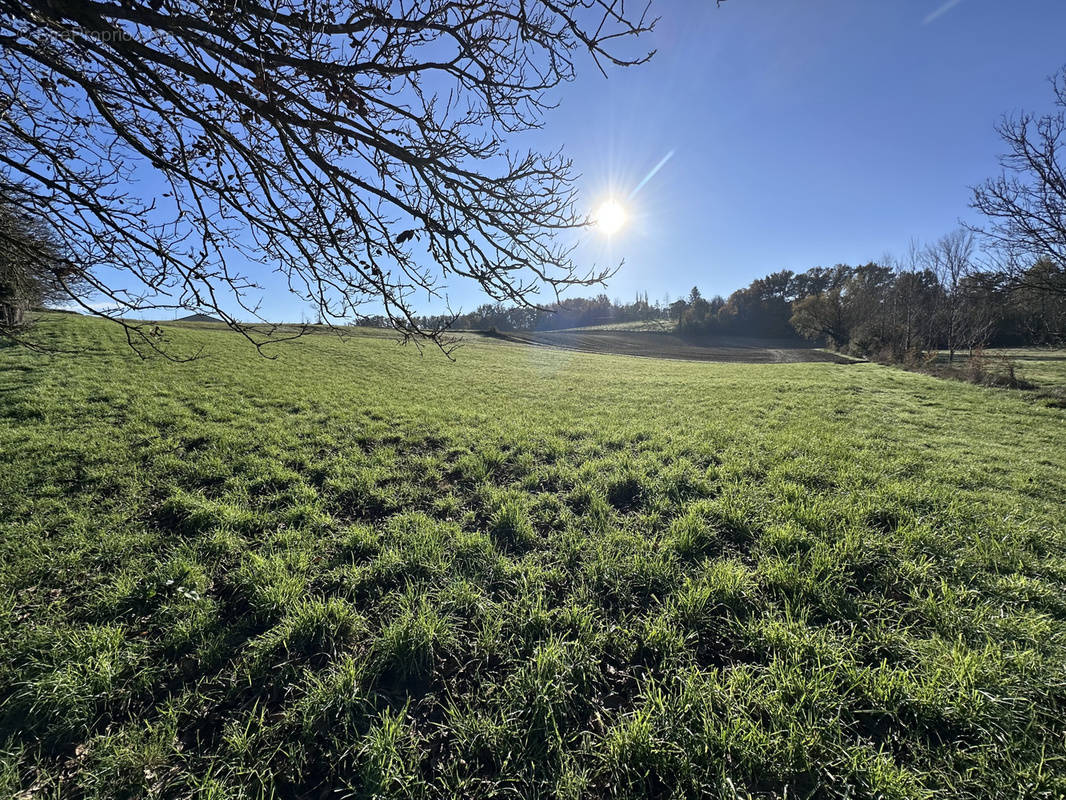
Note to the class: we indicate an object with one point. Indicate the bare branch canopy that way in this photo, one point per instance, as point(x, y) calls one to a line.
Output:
point(1026, 204)
point(185, 148)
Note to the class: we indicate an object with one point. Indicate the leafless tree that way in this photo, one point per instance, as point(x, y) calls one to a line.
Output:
point(34, 269)
point(950, 258)
point(1026, 205)
point(915, 292)
point(984, 305)
point(357, 148)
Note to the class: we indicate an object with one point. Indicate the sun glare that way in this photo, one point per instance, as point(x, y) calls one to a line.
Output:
point(610, 217)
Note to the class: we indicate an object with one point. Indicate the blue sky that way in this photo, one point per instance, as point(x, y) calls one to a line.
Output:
point(803, 133)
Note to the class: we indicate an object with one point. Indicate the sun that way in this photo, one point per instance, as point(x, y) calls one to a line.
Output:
point(610, 217)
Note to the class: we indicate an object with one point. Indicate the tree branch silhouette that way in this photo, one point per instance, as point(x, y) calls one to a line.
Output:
point(358, 149)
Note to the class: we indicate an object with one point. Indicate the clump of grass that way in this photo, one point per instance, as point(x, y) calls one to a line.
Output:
point(692, 534)
point(73, 678)
point(510, 525)
point(592, 506)
point(360, 493)
point(411, 642)
point(312, 631)
point(386, 761)
point(335, 704)
point(267, 585)
point(193, 514)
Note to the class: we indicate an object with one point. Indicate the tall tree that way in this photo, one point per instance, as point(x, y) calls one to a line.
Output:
point(1026, 204)
point(357, 148)
point(34, 269)
point(950, 258)
point(822, 315)
point(915, 295)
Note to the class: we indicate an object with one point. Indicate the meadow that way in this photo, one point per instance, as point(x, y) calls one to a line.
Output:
point(358, 571)
point(634, 341)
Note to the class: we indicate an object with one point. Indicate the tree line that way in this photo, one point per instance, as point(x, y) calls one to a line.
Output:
point(941, 297)
point(573, 312)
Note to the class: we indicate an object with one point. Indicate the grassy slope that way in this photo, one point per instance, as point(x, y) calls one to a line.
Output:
point(662, 344)
point(528, 573)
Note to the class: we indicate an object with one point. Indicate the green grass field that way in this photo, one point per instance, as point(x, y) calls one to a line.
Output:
point(1043, 367)
point(356, 571)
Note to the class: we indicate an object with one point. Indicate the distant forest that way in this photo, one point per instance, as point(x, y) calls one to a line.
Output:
point(575, 312)
point(939, 300)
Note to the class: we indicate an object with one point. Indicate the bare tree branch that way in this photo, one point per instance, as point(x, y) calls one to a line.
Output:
point(355, 148)
point(1026, 205)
